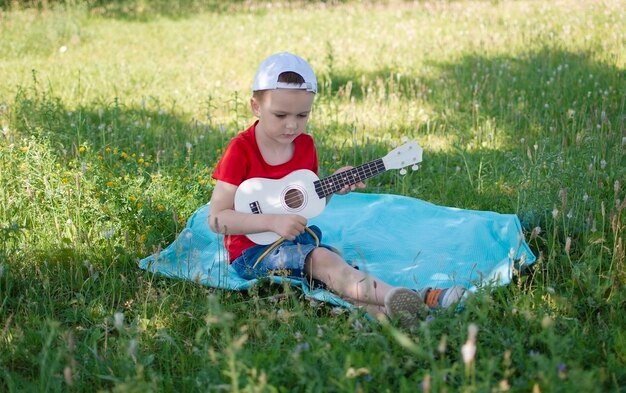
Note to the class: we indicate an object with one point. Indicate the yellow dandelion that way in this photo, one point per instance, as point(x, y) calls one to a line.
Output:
point(24, 149)
point(82, 149)
point(107, 150)
point(139, 205)
point(160, 208)
point(142, 238)
point(124, 155)
point(132, 198)
point(100, 158)
point(140, 161)
point(109, 184)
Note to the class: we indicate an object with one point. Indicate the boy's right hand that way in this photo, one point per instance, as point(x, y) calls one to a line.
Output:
point(288, 225)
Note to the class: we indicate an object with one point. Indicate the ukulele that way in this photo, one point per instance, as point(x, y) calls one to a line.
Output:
point(302, 192)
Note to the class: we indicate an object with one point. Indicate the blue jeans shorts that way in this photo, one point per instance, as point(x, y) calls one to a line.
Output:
point(286, 260)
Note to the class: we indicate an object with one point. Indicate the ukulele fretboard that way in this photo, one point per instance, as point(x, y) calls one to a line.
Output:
point(336, 182)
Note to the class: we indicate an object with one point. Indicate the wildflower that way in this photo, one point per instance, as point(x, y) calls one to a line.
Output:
point(603, 164)
point(118, 320)
point(82, 149)
point(132, 349)
point(139, 205)
point(353, 373)
point(546, 322)
point(443, 343)
point(132, 198)
point(67, 376)
point(535, 232)
point(63, 49)
point(188, 145)
point(160, 208)
point(468, 350)
point(555, 213)
point(109, 184)
point(124, 155)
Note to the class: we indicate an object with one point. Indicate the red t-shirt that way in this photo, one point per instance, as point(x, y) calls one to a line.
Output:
point(243, 160)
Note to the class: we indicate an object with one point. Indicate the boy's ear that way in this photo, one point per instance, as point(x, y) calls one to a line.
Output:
point(255, 106)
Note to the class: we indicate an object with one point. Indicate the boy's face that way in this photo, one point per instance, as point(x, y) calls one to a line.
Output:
point(283, 113)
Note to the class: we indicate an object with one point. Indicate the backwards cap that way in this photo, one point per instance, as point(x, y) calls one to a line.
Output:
point(266, 77)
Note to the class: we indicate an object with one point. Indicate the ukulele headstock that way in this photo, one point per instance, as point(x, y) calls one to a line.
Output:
point(408, 154)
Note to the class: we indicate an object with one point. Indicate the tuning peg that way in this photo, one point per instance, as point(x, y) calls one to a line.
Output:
point(403, 171)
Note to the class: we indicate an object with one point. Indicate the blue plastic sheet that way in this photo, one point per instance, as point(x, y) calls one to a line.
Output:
point(401, 240)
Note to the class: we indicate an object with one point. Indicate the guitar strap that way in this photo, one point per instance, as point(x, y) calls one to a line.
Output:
point(279, 241)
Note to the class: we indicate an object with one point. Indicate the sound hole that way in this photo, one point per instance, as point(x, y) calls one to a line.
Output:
point(294, 198)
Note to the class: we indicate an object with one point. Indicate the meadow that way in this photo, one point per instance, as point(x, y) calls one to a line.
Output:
point(113, 115)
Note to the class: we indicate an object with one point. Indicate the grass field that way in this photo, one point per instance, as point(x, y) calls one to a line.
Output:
point(113, 116)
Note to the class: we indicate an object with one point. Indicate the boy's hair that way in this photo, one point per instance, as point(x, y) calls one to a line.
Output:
point(285, 77)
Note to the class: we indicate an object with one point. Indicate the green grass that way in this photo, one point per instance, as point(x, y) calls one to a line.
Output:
point(113, 116)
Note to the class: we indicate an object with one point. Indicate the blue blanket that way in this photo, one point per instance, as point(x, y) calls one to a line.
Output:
point(404, 241)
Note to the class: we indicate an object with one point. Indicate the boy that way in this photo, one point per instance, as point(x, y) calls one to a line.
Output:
point(275, 145)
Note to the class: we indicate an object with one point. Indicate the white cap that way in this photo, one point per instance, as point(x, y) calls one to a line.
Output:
point(266, 77)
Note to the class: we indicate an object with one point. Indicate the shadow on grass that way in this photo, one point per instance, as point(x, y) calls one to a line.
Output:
point(515, 91)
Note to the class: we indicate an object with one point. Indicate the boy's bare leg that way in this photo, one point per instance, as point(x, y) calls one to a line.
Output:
point(354, 285)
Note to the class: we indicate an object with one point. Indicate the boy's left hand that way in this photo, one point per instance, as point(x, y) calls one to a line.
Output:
point(352, 187)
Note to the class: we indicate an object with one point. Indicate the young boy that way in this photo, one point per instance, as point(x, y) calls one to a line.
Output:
point(274, 146)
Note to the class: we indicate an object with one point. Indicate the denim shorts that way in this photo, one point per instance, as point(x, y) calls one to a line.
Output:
point(286, 260)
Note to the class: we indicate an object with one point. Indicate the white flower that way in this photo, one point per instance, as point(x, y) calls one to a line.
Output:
point(188, 145)
point(603, 164)
point(536, 231)
point(132, 349)
point(468, 350)
point(63, 49)
point(107, 234)
point(118, 318)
